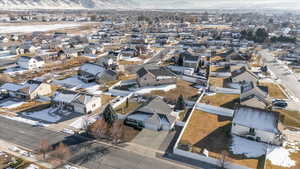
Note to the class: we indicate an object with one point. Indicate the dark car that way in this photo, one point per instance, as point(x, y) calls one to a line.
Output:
point(280, 103)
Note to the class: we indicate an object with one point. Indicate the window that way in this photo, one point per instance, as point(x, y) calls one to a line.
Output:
point(252, 131)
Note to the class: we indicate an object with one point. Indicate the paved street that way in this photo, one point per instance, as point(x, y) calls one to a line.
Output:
point(288, 80)
point(25, 135)
point(90, 155)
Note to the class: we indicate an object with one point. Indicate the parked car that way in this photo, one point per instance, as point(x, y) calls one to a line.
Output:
point(280, 103)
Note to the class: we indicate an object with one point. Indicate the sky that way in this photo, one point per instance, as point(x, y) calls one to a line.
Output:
point(197, 4)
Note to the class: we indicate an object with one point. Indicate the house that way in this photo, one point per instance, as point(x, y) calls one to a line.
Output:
point(241, 75)
point(155, 76)
point(30, 90)
point(30, 63)
point(88, 72)
point(154, 115)
point(25, 48)
point(128, 53)
point(106, 76)
point(257, 124)
point(189, 60)
point(76, 102)
point(254, 96)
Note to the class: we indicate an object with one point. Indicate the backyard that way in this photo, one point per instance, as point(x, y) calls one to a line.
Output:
point(211, 132)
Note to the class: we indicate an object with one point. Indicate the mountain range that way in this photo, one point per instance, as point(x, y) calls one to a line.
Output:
point(150, 4)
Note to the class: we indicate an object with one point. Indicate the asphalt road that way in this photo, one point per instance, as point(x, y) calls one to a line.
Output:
point(288, 80)
point(25, 135)
point(87, 154)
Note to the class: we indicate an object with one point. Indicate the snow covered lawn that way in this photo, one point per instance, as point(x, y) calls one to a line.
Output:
point(34, 28)
point(23, 120)
point(279, 156)
point(81, 122)
point(11, 104)
point(45, 115)
point(145, 90)
point(14, 70)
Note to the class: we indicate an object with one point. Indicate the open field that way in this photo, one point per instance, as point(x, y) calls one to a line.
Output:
point(33, 28)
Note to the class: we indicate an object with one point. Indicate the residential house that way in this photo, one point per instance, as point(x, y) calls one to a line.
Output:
point(128, 53)
point(257, 124)
point(30, 90)
point(30, 63)
point(106, 76)
point(155, 76)
point(253, 96)
point(154, 115)
point(89, 71)
point(241, 75)
point(190, 60)
point(25, 48)
point(72, 101)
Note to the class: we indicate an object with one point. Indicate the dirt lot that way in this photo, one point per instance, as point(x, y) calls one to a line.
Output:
point(212, 132)
point(223, 100)
point(274, 90)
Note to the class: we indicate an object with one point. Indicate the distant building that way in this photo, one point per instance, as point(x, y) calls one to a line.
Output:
point(30, 63)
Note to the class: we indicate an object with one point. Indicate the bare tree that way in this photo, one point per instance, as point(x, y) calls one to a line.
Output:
point(44, 148)
point(85, 123)
point(117, 130)
point(224, 159)
point(99, 128)
point(62, 152)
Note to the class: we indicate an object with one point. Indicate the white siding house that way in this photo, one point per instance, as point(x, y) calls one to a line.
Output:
point(30, 63)
point(256, 124)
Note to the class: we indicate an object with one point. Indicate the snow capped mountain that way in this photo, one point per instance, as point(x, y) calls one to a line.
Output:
point(150, 4)
point(66, 4)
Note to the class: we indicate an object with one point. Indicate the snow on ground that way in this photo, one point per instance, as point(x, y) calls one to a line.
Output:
point(247, 147)
point(280, 156)
point(134, 59)
point(149, 89)
point(11, 104)
point(277, 155)
point(80, 122)
point(34, 28)
point(14, 70)
point(23, 120)
point(92, 88)
point(45, 115)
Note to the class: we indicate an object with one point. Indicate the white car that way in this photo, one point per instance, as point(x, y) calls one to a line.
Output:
point(70, 167)
point(32, 166)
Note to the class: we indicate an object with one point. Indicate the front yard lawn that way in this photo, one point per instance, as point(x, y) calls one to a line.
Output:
point(274, 90)
point(182, 88)
point(132, 105)
point(222, 100)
